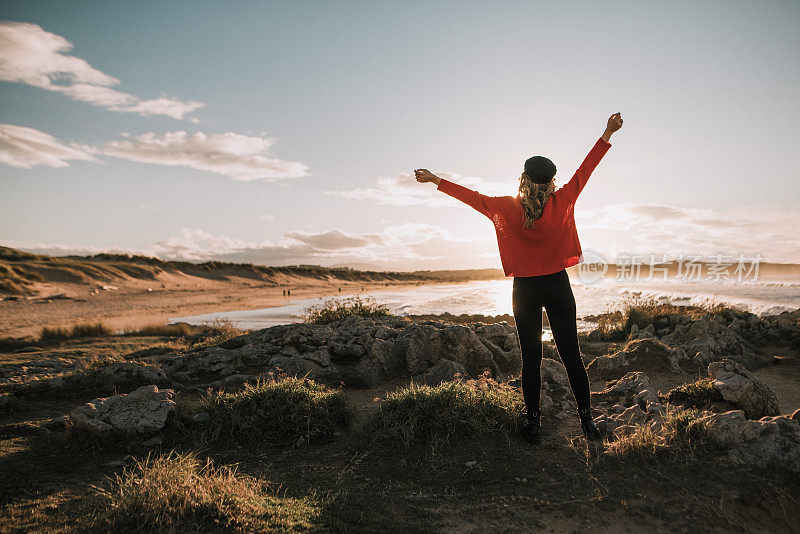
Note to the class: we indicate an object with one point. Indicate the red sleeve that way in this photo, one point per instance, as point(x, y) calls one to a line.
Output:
point(480, 202)
point(574, 187)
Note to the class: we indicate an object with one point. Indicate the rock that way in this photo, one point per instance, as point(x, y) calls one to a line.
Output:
point(356, 351)
point(5, 400)
point(444, 370)
point(738, 386)
point(646, 354)
point(142, 411)
point(57, 423)
point(628, 402)
point(202, 417)
point(647, 332)
point(769, 442)
point(155, 441)
point(131, 372)
point(707, 339)
point(554, 372)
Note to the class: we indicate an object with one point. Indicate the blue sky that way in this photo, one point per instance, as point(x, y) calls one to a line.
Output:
point(304, 120)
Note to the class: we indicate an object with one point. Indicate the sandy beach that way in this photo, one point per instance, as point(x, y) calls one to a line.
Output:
point(132, 305)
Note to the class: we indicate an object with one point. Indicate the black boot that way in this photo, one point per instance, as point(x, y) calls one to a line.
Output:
point(530, 429)
point(590, 429)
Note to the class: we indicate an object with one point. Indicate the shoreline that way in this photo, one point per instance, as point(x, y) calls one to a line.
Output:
point(133, 306)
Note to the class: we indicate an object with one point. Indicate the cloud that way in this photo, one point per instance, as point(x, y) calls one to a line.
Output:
point(400, 247)
point(335, 240)
point(404, 190)
point(27, 147)
point(674, 230)
point(238, 156)
point(35, 57)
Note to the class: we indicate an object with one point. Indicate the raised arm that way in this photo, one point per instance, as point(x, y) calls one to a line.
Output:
point(481, 203)
point(578, 181)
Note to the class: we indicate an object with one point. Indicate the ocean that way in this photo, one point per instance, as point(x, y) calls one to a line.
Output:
point(493, 297)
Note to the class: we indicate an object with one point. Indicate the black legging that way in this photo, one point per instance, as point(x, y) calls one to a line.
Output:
point(553, 292)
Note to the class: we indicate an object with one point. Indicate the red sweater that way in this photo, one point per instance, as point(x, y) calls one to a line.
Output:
point(553, 244)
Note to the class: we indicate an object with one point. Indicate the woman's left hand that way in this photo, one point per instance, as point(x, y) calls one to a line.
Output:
point(424, 176)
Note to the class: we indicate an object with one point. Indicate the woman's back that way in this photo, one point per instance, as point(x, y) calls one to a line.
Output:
point(553, 244)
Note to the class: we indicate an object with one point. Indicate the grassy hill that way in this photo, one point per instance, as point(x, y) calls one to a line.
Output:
point(20, 271)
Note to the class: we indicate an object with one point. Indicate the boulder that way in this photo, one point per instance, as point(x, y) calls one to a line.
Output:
point(708, 339)
point(139, 412)
point(769, 442)
point(356, 351)
point(628, 402)
point(645, 354)
point(737, 385)
point(131, 372)
point(443, 371)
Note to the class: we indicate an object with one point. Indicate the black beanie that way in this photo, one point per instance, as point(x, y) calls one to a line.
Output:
point(540, 169)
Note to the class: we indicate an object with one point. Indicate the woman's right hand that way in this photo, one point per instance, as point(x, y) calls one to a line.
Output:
point(614, 123)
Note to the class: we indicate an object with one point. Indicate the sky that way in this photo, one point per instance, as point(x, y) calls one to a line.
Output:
point(284, 133)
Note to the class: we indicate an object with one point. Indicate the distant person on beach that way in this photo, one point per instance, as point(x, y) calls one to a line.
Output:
point(537, 241)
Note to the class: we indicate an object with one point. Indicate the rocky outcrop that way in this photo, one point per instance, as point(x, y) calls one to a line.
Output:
point(738, 386)
point(443, 371)
point(356, 351)
point(628, 403)
point(708, 339)
point(645, 354)
point(769, 442)
point(556, 398)
point(139, 412)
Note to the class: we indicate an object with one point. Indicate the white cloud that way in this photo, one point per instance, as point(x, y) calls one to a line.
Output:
point(33, 56)
point(404, 190)
point(673, 230)
point(402, 247)
point(27, 147)
point(335, 240)
point(238, 156)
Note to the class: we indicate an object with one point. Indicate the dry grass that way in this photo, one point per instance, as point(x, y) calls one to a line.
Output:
point(278, 410)
point(674, 438)
point(182, 492)
point(78, 331)
point(166, 330)
point(616, 324)
point(335, 309)
point(16, 280)
point(435, 417)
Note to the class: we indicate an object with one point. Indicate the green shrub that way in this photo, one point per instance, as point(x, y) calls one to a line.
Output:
point(434, 417)
point(335, 309)
point(279, 410)
point(180, 492)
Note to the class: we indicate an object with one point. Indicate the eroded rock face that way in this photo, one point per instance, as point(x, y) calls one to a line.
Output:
point(708, 339)
point(645, 354)
point(139, 412)
point(356, 351)
point(443, 371)
point(737, 385)
point(125, 372)
point(628, 402)
point(769, 442)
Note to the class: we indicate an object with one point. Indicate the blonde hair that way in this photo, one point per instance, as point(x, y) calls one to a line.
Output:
point(534, 196)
